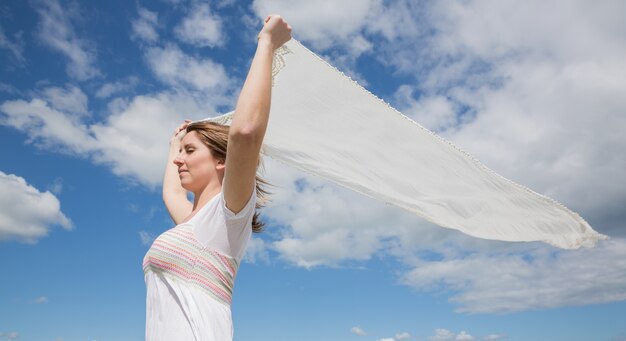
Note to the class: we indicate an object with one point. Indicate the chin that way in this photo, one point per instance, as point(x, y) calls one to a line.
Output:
point(185, 184)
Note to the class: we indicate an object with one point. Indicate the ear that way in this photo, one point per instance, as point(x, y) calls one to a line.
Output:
point(221, 165)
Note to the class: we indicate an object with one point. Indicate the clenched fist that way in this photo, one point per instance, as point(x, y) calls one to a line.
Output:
point(275, 30)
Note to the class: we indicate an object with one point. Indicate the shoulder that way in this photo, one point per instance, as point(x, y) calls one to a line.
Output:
point(245, 212)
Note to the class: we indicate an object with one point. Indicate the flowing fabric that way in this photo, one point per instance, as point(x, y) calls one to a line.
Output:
point(326, 124)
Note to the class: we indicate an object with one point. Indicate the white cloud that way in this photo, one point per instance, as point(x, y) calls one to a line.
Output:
point(402, 336)
point(133, 140)
point(358, 331)
point(446, 335)
point(463, 336)
point(174, 67)
point(144, 27)
point(49, 127)
point(224, 3)
point(328, 24)
point(70, 100)
point(112, 88)
point(436, 113)
point(346, 61)
point(8, 88)
point(27, 214)
point(201, 27)
point(56, 31)
point(573, 30)
point(321, 23)
point(350, 228)
point(542, 278)
point(146, 238)
point(442, 335)
point(257, 251)
point(41, 300)
point(353, 228)
point(397, 337)
point(56, 186)
point(9, 336)
point(16, 46)
point(349, 28)
point(400, 18)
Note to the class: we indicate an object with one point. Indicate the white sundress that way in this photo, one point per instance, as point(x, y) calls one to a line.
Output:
point(190, 271)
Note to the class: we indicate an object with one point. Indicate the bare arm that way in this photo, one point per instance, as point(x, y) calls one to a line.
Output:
point(174, 195)
point(251, 116)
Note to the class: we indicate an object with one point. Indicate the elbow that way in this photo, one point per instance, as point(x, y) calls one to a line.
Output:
point(249, 124)
point(247, 134)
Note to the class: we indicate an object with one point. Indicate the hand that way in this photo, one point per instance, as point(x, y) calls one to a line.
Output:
point(275, 30)
point(179, 133)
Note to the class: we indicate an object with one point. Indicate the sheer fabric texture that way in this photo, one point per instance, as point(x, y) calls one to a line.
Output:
point(326, 124)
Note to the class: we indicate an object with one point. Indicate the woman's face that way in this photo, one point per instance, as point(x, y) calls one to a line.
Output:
point(196, 165)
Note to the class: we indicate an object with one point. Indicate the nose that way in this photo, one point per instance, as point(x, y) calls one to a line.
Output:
point(178, 161)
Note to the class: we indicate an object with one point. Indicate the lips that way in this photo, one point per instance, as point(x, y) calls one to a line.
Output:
point(181, 171)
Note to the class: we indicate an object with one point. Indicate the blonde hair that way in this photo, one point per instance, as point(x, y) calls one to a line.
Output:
point(215, 136)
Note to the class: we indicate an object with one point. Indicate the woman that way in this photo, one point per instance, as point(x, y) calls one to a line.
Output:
point(190, 269)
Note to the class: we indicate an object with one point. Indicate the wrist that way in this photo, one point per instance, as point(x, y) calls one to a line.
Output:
point(265, 41)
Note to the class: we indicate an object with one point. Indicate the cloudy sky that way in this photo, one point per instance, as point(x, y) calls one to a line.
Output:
point(90, 92)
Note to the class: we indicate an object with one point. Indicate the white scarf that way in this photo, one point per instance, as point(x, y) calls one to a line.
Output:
point(326, 124)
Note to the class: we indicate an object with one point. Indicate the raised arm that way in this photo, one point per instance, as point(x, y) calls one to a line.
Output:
point(251, 116)
point(174, 195)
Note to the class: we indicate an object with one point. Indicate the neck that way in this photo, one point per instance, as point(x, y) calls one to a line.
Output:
point(202, 197)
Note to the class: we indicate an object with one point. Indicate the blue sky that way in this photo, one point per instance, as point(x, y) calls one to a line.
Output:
point(90, 92)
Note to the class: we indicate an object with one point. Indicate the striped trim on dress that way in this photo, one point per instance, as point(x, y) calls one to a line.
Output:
point(178, 253)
